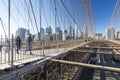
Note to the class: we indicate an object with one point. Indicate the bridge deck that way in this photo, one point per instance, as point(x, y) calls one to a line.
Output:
point(74, 54)
point(28, 57)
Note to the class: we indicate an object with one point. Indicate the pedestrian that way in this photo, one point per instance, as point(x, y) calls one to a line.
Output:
point(30, 43)
point(18, 43)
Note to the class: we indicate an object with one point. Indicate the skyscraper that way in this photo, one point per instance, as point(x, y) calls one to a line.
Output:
point(65, 31)
point(22, 32)
point(110, 33)
point(85, 32)
point(73, 33)
point(47, 36)
point(61, 34)
point(49, 30)
point(70, 32)
point(57, 29)
point(41, 34)
point(48, 33)
point(98, 36)
point(118, 35)
point(65, 35)
point(76, 31)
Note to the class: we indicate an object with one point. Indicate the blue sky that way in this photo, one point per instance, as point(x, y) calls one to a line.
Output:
point(102, 10)
point(19, 14)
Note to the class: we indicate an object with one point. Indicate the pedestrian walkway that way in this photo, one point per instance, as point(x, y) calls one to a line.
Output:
point(25, 57)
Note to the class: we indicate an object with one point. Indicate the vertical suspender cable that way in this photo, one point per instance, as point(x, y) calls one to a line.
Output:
point(3, 27)
point(40, 12)
point(34, 15)
point(70, 14)
point(9, 29)
point(18, 17)
point(10, 13)
point(55, 21)
point(114, 12)
point(28, 9)
point(55, 17)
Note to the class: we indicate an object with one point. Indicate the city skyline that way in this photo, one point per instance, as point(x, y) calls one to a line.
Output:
point(31, 11)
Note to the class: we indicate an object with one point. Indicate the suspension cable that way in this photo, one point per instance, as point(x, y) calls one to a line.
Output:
point(70, 14)
point(34, 16)
point(29, 16)
point(3, 27)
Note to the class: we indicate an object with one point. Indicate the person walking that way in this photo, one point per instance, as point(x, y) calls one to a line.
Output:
point(18, 43)
point(30, 43)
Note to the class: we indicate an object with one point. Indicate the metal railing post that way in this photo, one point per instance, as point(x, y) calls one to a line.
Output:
point(43, 47)
point(1, 49)
point(66, 45)
point(12, 51)
point(57, 46)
